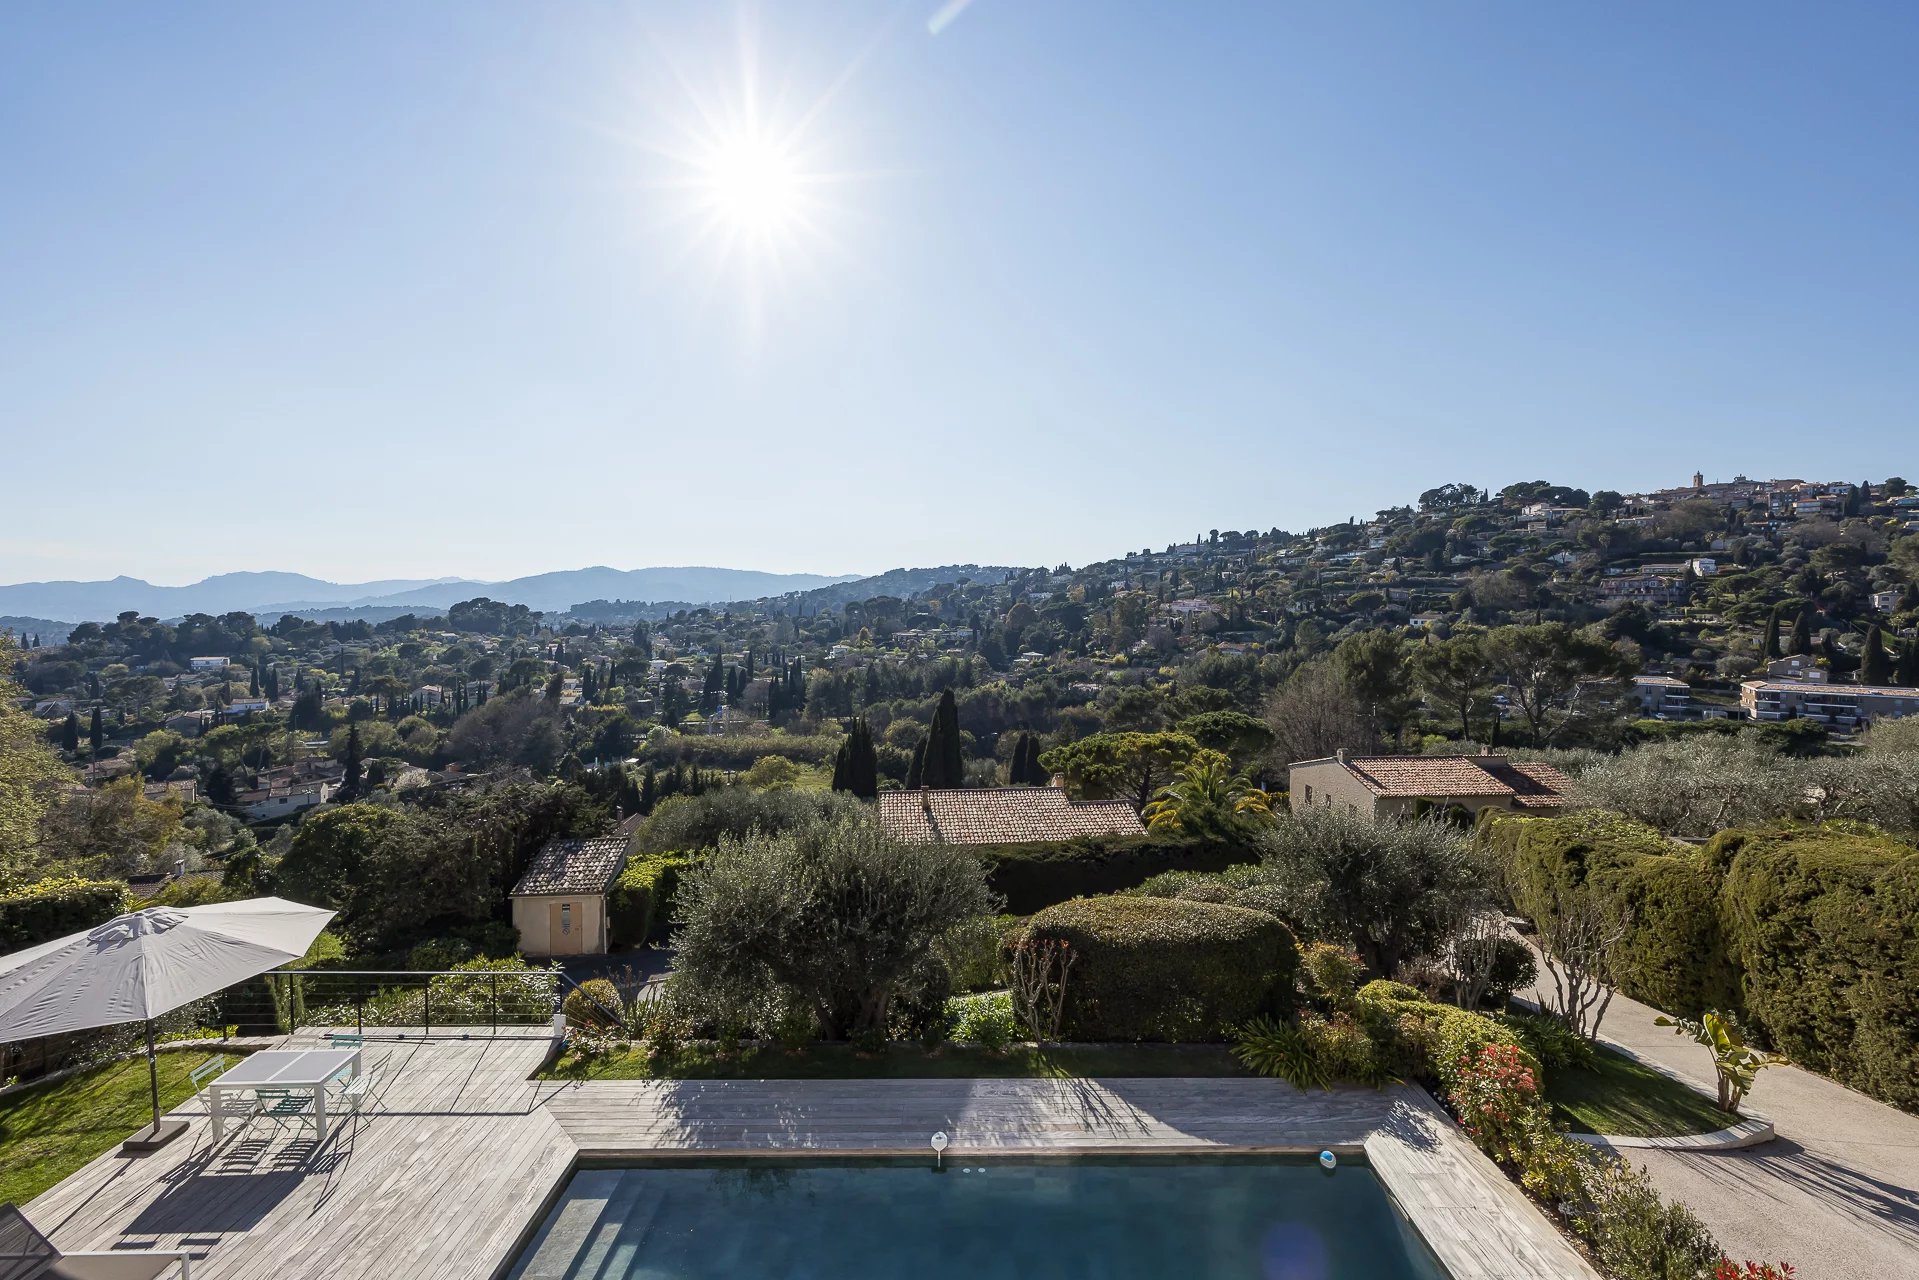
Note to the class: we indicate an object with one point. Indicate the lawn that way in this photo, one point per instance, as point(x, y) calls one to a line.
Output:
point(48, 1131)
point(1619, 1096)
point(903, 1062)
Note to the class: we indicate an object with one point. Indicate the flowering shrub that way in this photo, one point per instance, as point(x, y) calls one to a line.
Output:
point(1727, 1269)
point(1495, 1094)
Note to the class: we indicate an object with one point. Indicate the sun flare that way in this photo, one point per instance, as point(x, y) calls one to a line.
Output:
point(753, 184)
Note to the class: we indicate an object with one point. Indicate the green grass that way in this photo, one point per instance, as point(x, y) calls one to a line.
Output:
point(48, 1131)
point(902, 1062)
point(1619, 1096)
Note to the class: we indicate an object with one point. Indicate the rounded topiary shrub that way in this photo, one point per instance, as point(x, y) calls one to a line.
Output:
point(1167, 968)
point(595, 1003)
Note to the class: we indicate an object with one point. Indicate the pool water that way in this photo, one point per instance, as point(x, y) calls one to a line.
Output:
point(1101, 1219)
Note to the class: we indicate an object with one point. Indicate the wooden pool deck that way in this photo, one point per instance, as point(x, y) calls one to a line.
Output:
point(456, 1169)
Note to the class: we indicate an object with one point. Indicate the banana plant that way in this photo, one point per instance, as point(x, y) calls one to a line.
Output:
point(1734, 1062)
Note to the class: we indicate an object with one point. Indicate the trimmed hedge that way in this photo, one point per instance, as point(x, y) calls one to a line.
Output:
point(1167, 968)
point(1811, 934)
point(1038, 874)
point(55, 907)
point(641, 901)
point(1672, 956)
point(1823, 925)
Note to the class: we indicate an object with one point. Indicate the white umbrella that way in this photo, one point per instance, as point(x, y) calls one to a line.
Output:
point(138, 966)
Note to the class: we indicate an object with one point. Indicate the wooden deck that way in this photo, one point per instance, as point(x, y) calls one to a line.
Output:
point(457, 1169)
point(442, 1182)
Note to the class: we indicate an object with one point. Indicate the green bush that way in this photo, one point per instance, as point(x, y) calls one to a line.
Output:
point(1513, 969)
point(1167, 968)
point(1038, 874)
point(1314, 1053)
point(1823, 926)
point(1419, 1037)
point(57, 906)
point(1672, 956)
point(1550, 1040)
point(439, 953)
point(975, 952)
point(1333, 973)
point(641, 902)
point(594, 1004)
point(984, 1020)
point(1810, 934)
point(699, 822)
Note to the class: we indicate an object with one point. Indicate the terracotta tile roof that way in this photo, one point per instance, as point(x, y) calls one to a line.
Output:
point(1427, 776)
point(575, 866)
point(1000, 815)
point(1531, 786)
point(1538, 786)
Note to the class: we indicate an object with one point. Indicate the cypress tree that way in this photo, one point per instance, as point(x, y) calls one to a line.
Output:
point(1770, 648)
point(70, 734)
point(842, 765)
point(1035, 771)
point(97, 733)
point(1802, 631)
point(916, 772)
point(863, 762)
point(943, 767)
point(1874, 666)
point(1016, 763)
point(253, 683)
point(350, 785)
point(1907, 672)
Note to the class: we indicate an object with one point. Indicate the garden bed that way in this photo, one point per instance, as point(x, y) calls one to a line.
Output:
point(704, 1061)
point(1621, 1097)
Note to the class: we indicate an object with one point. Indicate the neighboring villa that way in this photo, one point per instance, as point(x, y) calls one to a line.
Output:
point(1000, 815)
point(559, 905)
point(283, 800)
point(1840, 706)
point(1409, 785)
point(1663, 698)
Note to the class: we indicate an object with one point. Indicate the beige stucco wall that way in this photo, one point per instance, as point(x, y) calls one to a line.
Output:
point(1331, 783)
point(533, 915)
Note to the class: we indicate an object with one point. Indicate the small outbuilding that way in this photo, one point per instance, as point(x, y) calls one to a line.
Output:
point(559, 905)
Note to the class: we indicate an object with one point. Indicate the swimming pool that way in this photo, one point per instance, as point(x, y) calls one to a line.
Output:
point(1011, 1219)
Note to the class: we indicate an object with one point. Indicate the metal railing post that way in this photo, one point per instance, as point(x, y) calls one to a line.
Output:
point(495, 980)
point(359, 1010)
point(426, 1009)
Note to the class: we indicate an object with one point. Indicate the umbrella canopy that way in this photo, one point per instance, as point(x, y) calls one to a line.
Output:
point(138, 966)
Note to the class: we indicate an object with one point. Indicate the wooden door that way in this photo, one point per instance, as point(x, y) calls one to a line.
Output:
point(566, 929)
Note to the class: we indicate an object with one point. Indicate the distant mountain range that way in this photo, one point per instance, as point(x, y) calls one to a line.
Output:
point(268, 595)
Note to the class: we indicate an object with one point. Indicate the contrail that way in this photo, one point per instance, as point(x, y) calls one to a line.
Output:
point(949, 11)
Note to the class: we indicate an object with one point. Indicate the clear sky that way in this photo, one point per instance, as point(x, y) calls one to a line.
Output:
point(379, 290)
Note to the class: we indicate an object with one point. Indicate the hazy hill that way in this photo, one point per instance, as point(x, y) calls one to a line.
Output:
point(277, 593)
point(557, 592)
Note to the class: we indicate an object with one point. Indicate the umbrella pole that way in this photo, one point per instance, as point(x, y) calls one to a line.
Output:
point(160, 1132)
point(153, 1074)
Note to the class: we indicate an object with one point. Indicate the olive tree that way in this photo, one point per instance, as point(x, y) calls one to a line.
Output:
point(833, 915)
point(1390, 888)
point(1693, 787)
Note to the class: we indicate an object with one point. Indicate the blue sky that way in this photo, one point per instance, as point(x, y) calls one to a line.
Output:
point(411, 290)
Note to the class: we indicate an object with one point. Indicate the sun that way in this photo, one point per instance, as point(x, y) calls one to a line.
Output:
point(753, 185)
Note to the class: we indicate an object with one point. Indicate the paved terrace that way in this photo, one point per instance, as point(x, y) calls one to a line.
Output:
point(457, 1169)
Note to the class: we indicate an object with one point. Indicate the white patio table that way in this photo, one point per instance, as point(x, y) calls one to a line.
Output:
point(310, 1070)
